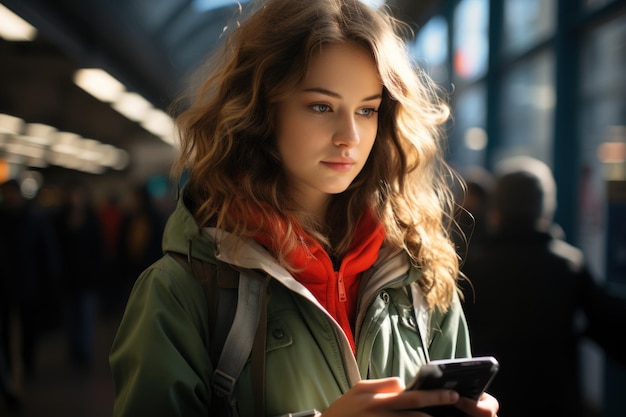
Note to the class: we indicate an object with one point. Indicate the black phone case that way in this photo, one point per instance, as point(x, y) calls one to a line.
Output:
point(469, 377)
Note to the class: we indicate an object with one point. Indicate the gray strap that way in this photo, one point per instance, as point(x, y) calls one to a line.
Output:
point(238, 344)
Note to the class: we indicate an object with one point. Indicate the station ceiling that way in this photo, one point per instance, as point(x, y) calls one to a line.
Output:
point(151, 46)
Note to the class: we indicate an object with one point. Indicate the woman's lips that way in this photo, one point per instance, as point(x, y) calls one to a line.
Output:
point(339, 166)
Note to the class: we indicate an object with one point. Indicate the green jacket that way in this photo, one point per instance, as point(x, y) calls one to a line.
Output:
point(159, 358)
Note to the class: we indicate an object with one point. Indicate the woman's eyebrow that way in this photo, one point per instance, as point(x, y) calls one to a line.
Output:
point(336, 95)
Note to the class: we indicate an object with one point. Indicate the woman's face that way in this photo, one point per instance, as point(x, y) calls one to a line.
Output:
point(326, 127)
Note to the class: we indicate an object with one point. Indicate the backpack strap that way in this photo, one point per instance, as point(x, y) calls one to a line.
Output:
point(258, 351)
point(237, 307)
point(223, 286)
point(240, 338)
point(219, 282)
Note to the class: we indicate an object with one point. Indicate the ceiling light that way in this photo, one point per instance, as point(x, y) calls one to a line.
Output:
point(10, 124)
point(158, 123)
point(132, 105)
point(99, 84)
point(39, 133)
point(14, 28)
point(67, 143)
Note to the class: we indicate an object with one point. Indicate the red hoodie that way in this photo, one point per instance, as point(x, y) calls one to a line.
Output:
point(336, 290)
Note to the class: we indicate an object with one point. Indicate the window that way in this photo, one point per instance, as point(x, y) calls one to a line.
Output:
point(469, 138)
point(430, 49)
point(527, 107)
point(471, 34)
point(526, 22)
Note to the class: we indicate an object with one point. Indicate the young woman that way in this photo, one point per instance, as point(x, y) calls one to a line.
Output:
point(313, 156)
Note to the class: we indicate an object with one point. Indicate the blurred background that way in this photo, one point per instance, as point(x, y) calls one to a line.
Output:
point(86, 133)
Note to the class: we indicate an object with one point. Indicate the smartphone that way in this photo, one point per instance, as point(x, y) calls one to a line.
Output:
point(470, 377)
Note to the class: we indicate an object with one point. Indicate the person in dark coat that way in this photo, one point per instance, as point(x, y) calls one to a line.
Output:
point(82, 255)
point(140, 235)
point(529, 291)
point(29, 268)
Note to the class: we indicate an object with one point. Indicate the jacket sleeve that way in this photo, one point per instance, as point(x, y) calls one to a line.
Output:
point(159, 358)
point(449, 336)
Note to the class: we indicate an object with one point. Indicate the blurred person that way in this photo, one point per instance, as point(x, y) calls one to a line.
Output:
point(535, 298)
point(112, 288)
point(315, 161)
point(28, 267)
point(140, 235)
point(12, 401)
point(82, 255)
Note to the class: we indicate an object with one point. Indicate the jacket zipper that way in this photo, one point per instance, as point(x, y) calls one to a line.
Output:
point(341, 287)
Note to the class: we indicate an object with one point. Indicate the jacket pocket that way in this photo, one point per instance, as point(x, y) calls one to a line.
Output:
point(278, 335)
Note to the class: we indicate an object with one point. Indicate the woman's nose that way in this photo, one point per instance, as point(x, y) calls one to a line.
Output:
point(347, 132)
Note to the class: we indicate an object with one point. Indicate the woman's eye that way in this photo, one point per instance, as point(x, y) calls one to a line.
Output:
point(368, 112)
point(320, 108)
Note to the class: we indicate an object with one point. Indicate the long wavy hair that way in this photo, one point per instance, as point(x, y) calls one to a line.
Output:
point(228, 146)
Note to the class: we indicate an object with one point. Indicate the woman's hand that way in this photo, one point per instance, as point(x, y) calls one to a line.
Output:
point(486, 406)
point(387, 397)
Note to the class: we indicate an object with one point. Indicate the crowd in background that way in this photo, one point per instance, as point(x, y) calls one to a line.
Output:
point(530, 296)
point(65, 265)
